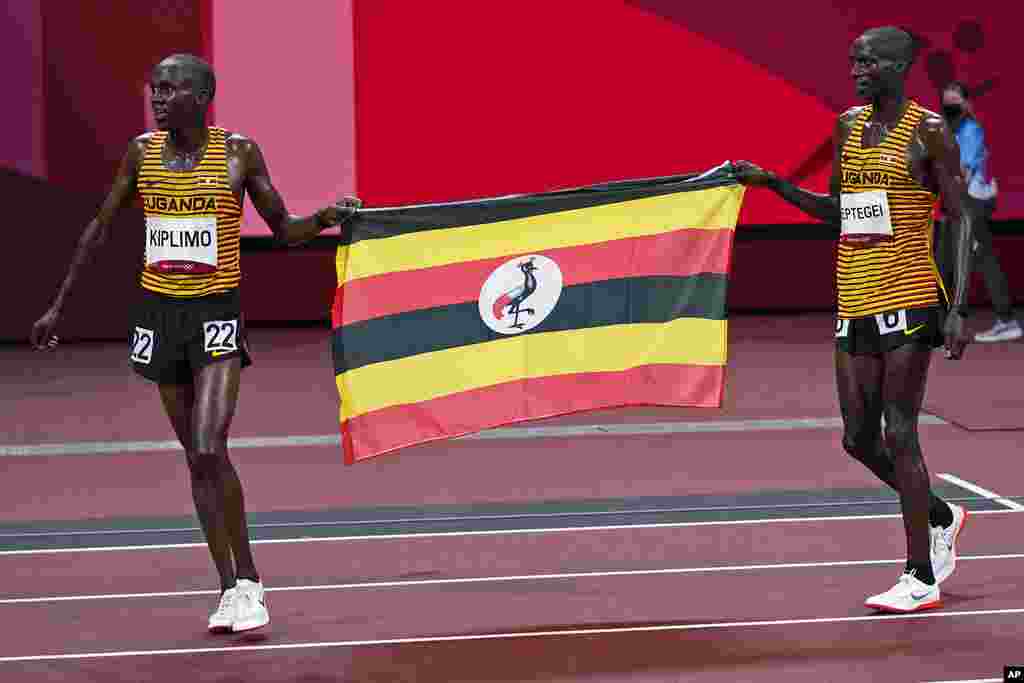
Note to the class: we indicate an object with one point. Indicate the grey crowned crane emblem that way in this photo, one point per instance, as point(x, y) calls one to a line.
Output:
point(511, 302)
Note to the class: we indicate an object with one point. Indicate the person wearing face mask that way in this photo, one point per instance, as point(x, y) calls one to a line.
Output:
point(981, 200)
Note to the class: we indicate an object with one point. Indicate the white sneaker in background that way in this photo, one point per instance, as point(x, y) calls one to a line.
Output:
point(1001, 332)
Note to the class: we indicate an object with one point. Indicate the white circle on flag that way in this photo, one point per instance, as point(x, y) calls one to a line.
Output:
point(520, 294)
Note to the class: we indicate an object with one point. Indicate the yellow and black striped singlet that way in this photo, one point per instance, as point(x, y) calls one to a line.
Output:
point(900, 272)
point(192, 222)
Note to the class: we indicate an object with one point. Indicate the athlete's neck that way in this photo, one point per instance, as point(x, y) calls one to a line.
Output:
point(887, 108)
point(188, 140)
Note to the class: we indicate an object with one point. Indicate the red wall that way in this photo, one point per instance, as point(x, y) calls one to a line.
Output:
point(97, 58)
point(460, 100)
point(294, 98)
point(457, 100)
point(491, 98)
point(21, 50)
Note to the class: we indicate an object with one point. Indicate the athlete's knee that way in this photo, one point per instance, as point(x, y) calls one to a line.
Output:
point(207, 463)
point(860, 440)
point(901, 433)
point(209, 442)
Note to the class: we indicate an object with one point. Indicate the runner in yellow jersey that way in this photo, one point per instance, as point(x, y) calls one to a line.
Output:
point(892, 160)
point(189, 336)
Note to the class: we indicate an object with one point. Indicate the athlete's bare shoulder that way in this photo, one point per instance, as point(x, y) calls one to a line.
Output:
point(140, 142)
point(844, 126)
point(238, 144)
point(246, 154)
point(847, 118)
point(137, 149)
point(935, 134)
point(929, 114)
point(932, 123)
point(131, 162)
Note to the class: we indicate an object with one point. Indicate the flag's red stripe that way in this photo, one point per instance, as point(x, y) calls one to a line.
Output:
point(391, 428)
point(681, 252)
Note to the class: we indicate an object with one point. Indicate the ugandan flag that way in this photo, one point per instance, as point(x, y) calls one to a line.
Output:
point(453, 318)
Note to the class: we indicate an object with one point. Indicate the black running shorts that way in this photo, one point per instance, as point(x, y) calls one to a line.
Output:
point(173, 338)
point(887, 331)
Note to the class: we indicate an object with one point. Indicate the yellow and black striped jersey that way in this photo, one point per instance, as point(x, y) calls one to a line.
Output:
point(896, 273)
point(192, 222)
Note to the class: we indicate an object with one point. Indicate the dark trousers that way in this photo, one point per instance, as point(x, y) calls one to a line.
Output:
point(984, 257)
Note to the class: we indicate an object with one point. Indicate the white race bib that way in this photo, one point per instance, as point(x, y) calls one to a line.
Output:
point(865, 214)
point(181, 244)
point(220, 336)
point(143, 343)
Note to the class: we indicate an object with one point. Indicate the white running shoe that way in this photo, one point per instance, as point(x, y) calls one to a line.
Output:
point(222, 620)
point(944, 544)
point(908, 595)
point(1002, 331)
point(250, 606)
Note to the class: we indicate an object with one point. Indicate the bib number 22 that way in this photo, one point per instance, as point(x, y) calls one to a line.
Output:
point(143, 341)
point(220, 336)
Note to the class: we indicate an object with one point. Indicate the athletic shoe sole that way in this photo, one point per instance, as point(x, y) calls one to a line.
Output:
point(889, 609)
point(239, 627)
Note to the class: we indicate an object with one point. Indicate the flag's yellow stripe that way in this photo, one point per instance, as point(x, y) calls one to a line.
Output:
point(690, 341)
point(712, 209)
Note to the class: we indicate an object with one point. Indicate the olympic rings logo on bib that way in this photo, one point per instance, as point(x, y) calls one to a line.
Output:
point(181, 244)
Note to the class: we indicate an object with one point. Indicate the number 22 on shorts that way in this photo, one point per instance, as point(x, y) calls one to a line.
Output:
point(143, 341)
point(220, 337)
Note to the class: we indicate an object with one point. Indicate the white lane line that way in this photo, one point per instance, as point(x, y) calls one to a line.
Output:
point(626, 512)
point(238, 649)
point(414, 583)
point(985, 493)
point(486, 532)
point(114, 447)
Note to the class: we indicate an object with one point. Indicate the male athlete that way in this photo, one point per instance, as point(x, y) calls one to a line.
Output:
point(891, 159)
point(189, 336)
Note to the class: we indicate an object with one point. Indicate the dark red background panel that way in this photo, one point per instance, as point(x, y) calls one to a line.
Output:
point(458, 100)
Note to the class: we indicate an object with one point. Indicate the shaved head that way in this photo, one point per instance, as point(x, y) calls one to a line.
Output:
point(892, 43)
point(880, 60)
point(181, 90)
point(199, 70)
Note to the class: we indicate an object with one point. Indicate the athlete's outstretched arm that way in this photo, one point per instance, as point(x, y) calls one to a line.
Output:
point(287, 228)
point(95, 234)
point(944, 154)
point(824, 207)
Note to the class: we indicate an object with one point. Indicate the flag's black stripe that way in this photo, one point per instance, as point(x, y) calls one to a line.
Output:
point(389, 222)
point(594, 304)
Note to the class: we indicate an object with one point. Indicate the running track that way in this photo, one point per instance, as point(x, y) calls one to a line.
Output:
point(639, 545)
